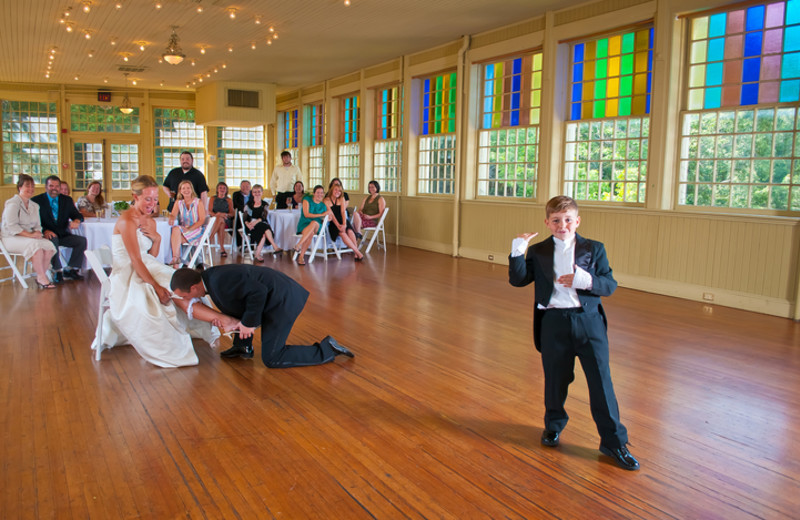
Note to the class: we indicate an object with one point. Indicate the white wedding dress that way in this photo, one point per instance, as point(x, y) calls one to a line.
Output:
point(161, 334)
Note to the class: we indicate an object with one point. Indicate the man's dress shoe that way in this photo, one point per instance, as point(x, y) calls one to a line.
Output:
point(550, 438)
point(238, 351)
point(73, 274)
point(338, 350)
point(58, 277)
point(621, 456)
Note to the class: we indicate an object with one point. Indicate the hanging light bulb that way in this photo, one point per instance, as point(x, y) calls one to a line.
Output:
point(232, 13)
point(126, 107)
point(87, 6)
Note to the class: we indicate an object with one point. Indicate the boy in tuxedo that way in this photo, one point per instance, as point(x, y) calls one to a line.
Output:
point(571, 273)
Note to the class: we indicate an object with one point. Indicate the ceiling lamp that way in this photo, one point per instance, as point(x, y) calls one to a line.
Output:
point(173, 54)
point(126, 107)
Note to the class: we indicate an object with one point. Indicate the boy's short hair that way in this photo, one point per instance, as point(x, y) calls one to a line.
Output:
point(560, 204)
point(184, 278)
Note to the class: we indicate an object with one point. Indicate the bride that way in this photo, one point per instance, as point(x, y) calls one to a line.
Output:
point(141, 311)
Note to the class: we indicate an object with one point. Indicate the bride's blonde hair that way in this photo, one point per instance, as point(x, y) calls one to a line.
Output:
point(141, 182)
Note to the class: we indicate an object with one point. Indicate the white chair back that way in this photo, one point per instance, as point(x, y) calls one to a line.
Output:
point(98, 258)
point(203, 247)
point(373, 232)
point(246, 245)
point(319, 243)
point(11, 260)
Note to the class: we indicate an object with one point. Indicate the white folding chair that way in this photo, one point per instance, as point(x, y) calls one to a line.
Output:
point(319, 243)
point(202, 248)
point(11, 260)
point(374, 231)
point(245, 238)
point(97, 259)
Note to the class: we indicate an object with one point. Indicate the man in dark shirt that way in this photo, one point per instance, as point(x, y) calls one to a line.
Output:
point(186, 172)
point(59, 217)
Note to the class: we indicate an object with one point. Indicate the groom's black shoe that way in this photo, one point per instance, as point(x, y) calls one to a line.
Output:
point(621, 456)
point(338, 350)
point(243, 351)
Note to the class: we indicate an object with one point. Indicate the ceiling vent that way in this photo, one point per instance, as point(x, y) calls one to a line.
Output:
point(131, 68)
point(243, 98)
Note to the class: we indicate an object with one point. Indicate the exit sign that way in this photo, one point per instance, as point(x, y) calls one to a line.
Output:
point(103, 96)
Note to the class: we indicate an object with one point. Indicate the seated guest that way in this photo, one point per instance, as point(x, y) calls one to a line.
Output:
point(64, 189)
point(59, 217)
point(241, 197)
point(371, 209)
point(296, 200)
point(339, 226)
point(221, 206)
point(141, 309)
point(314, 211)
point(92, 203)
point(190, 216)
point(255, 222)
point(22, 231)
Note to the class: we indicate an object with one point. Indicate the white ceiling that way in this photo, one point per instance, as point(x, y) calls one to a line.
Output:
point(317, 39)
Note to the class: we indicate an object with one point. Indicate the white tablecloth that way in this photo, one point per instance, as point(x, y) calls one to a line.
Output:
point(284, 226)
point(98, 233)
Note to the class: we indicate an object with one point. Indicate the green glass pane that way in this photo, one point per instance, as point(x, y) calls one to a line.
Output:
point(628, 41)
point(626, 65)
point(625, 86)
point(602, 48)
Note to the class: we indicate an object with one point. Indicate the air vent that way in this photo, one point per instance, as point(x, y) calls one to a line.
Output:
point(243, 98)
point(131, 68)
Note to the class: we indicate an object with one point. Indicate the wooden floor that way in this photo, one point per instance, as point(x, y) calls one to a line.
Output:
point(438, 416)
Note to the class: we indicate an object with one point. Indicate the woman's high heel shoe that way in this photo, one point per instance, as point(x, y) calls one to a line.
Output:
point(45, 285)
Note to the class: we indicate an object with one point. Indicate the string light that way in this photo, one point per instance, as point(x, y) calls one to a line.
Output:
point(346, 2)
point(158, 5)
point(202, 49)
point(118, 5)
point(91, 54)
point(87, 6)
point(87, 34)
point(232, 13)
point(230, 48)
point(253, 45)
point(70, 27)
point(258, 20)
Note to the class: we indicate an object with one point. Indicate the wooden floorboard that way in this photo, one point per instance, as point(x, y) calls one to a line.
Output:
point(438, 416)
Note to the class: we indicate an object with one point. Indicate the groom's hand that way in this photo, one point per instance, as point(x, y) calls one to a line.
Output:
point(244, 331)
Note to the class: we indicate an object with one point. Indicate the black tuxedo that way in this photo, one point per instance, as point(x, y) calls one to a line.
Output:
point(262, 297)
point(238, 200)
point(562, 334)
point(60, 226)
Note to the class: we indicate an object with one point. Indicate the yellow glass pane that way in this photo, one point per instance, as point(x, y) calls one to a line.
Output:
point(589, 51)
point(640, 65)
point(586, 111)
point(535, 116)
point(611, 108)
point(700, 28)
point(612, 88)
point(698, 54)
point(536, 98)
point(640, 84)
point(697, 74)
point(537, 62)
point(613, 67)
point(588, 90)
point(536, 80)
point(639, 105)
point(614, 45)
point(643, 40)
point(696, 99)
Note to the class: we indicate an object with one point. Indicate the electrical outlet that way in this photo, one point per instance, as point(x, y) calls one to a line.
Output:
point(709, 297)
point(491, 257)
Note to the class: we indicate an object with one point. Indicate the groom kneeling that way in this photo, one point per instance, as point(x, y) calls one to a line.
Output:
point(258, 296)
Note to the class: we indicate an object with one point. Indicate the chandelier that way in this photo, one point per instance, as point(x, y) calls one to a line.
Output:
point(126, 107)
point(173, 55)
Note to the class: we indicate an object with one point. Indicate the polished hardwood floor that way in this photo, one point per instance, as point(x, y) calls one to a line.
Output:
point(438, 416)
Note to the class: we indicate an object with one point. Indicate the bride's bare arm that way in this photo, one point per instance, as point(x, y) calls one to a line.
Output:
point(127, 229)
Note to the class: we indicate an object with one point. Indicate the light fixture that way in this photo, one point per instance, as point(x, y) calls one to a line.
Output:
point(173, 55)
point(87, 34)
point(141, 45)
point(158, 5)
point(192, 63)
point(271, 29)
point(230, 48)
point(275, 36)
point(232, 13)
point(114, 41)
point(161, 83)
point(118, 5)
point(91, 54)
point(269, 42)
point(126, 107)
point(202, 49)
point(224, 65)
point(258, 20)
point(253, 45)
point(70, 26)
point(87, 6)
point(346, 2)
point(125, 55)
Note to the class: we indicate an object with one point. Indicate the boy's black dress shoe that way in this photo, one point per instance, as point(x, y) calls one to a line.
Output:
point(238, 351)
point(58, 277)
point(338, 350)
point(621, 456)
point(550, 438)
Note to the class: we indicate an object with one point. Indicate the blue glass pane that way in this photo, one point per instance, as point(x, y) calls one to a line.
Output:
point(755, 18)
point(487, 104)
point(515, 118)
point(791, 66)
point(649, 82)
point(792, 12)
point(714, 74)
point(790, 91)
point(576, 111)
point(578, 53)
point(751, 69)
point(752, 44)
point(427, 87)
point(647, 108)
point(713, 96)
point(716, 25)
point(425, 129)
point(515, 101)
point(650, 39)
point(791, 39)
point(649, 63)
point(576, 92)
point(577, 72)
point(487, 121)
point(716, 49)
point(490, 71)
point(516, 83)
point(517, 68)
point(749, 94)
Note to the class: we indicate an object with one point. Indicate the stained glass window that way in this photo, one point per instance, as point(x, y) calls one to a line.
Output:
point(612, 76)
point(508, 142)
point(439, 104)
point(388, 146)
point(351, 119)
point(315, 137)
point(745, 56)
point(316, 125)
point(740, 131)
point(290, 129)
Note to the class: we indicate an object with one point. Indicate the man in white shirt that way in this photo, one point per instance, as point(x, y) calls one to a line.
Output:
point(281, 183)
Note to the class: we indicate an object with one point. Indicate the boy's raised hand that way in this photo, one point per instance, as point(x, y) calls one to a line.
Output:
point(528, 236)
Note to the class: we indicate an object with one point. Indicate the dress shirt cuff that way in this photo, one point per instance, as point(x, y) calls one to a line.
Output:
point(582, 280)
point(518, 247)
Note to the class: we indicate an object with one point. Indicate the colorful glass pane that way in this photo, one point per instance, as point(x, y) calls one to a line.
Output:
point(439, 104)
point(754, 50)
point(613, 76)
point(504, 104)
